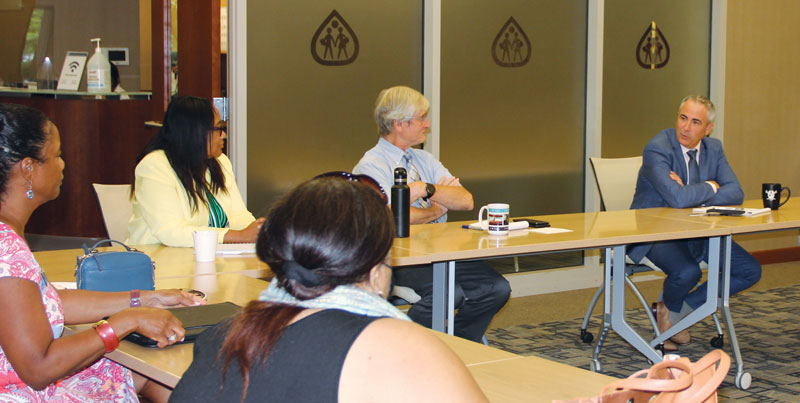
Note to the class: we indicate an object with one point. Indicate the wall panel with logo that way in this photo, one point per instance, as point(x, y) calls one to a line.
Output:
point(513, 106)
point(512, 100)
point(646, 74)
point(314, 70)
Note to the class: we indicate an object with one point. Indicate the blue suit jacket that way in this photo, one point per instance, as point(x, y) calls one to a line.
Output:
point(654, 188)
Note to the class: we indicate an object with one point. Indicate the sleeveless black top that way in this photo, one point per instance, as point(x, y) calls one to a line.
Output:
point(303, 366)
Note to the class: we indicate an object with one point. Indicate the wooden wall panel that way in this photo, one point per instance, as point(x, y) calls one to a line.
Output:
point(198, 48)
point(100, 141)
point(761, 102)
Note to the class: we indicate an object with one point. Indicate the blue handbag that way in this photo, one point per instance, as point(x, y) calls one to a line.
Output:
point(114, 270)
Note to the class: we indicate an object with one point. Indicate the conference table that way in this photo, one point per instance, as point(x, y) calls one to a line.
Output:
point(503, 376)
point(785, 218)
point(446, 243)
point(173, 262)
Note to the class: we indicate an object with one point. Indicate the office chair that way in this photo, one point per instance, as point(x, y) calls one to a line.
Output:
point(616, 182)
point(402, 295)
point(116, 207)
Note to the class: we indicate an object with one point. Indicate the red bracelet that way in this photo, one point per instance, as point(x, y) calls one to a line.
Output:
point(106, 333)
point(136, 299)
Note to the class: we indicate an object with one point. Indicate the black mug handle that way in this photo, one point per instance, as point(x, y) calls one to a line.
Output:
point(788, 195)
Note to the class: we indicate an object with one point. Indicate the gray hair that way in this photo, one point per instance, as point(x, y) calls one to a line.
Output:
point(703, 100)
point(398, 104)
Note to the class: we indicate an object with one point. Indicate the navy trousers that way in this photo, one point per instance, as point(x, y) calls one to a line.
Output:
point(680, 261)
point(480, 292)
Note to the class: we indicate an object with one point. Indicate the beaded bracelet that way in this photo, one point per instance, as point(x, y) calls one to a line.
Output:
point(106, 333)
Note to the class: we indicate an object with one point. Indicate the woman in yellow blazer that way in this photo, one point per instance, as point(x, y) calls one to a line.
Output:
point(183, 182)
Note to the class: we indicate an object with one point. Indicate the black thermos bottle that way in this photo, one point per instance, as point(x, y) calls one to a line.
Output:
point(401, 201)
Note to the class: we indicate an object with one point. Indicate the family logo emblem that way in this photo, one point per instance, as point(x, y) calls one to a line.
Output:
point(511, 47)
point(771, 194)
point(652, 51)
point(334, 43)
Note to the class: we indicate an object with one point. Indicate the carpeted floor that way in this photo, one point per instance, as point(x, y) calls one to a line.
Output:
point(767, 326)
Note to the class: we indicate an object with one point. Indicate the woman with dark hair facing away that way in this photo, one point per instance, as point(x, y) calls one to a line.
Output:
point(183, 182)
point(37, 362)
point(323, 331)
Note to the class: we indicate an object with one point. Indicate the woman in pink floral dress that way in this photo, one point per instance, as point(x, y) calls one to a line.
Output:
point(38, 363)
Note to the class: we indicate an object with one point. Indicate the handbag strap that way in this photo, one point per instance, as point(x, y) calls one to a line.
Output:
point(110, 241)
point(710, 385)
point(634, 382)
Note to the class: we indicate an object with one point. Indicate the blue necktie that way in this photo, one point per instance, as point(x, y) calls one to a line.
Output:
point(413, 175)
point(694, 169)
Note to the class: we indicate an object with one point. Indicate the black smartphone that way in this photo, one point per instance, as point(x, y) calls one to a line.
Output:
point(534, 223)
point(725, 211)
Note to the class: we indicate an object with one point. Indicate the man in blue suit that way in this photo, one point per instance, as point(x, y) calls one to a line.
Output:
point(681, 168)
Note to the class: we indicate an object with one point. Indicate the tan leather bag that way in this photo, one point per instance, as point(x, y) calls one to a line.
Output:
point(678, 381)
point(709, 372)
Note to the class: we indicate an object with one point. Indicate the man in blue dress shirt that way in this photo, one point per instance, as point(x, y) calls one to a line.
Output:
point(402, 117)
point(681, 168)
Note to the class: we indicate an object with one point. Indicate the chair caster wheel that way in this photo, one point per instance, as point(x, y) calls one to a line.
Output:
point(743, 380)
point(586, 337)
point(717, 342)
point(595, 366)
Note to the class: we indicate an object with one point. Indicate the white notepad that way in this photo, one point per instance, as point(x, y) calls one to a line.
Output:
point(549, 230)
point(236, 248)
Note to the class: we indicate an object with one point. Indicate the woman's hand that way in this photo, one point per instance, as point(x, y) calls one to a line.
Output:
point(158, 324)
point(170, 299)
point(246, 235)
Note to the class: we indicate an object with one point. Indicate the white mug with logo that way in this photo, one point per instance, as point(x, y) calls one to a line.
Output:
point(497, 218)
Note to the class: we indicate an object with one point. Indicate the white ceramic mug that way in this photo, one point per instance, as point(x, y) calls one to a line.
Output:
point(205, 245)
point(497, 218)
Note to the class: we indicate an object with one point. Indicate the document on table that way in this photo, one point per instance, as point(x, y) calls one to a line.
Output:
point(549, 230)
point(236, 248)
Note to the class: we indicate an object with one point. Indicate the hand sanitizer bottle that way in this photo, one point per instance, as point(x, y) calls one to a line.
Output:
point(98, 71)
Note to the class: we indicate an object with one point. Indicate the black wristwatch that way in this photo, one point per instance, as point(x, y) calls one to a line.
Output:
point(430, 189)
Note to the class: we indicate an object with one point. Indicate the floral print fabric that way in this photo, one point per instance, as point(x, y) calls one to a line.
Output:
point(104, 381)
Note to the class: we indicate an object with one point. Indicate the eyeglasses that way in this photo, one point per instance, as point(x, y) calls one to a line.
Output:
point(422, 119)
point(365, 179)
point(219, 130)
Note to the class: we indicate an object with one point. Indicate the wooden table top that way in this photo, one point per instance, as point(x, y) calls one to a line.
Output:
point(167, 365)
point(534, 379)
point(449, 241)
point(503, 376)
point(59, 265)
point(787, 217)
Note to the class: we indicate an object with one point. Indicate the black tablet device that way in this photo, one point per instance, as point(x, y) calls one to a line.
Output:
point(195, 319)
point(534, 223)
point(721, 211)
